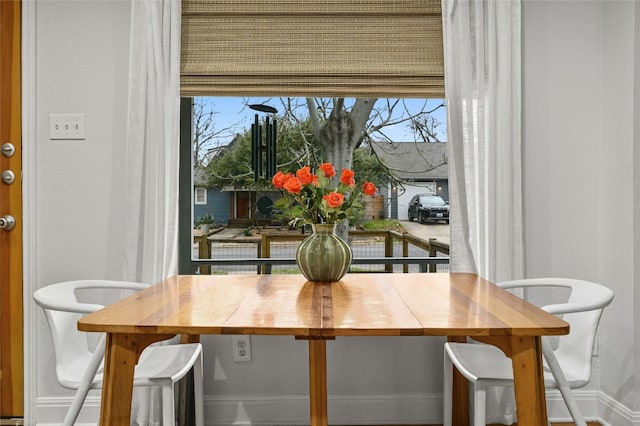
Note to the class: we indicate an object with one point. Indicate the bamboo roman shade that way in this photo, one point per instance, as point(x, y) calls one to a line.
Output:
point(351, 48)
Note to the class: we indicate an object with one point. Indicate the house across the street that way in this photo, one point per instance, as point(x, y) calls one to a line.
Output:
point(418, 167)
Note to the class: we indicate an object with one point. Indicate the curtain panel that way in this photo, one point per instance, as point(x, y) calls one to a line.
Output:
point(482, 42)
point(483, 92)
point(151, 182)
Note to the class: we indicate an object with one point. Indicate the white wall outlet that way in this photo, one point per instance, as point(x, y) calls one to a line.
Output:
point(66, 126)
point(241, 348)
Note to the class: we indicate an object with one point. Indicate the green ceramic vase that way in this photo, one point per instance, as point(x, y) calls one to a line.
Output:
point(323, 256)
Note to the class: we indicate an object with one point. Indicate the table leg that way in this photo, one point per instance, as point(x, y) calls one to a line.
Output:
point(318, 382)
point(121, 355)
point(528, 379)
point(528, 376)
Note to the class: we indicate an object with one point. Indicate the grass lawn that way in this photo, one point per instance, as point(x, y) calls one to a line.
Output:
point(383, 225)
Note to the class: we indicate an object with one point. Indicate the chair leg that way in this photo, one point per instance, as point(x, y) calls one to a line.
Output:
point(562, 383)
point(87, 380)
point(572, 405)
point(198, 391)
point(479, 404)
point(447, 391)
point(168, 403)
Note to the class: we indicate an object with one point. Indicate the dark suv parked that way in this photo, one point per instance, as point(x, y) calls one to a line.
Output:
point(428, 208)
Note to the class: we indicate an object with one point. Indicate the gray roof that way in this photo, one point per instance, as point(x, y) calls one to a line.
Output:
point(414, 161)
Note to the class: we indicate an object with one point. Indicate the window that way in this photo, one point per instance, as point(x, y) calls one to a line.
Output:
point(200, 196)
point(235, 199)
point(339, 48)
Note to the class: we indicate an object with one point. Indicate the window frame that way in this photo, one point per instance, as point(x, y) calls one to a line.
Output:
point(271, 83)
point(185, 189)
point(204, 196)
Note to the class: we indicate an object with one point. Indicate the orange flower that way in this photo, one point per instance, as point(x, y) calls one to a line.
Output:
point(328, 170)
point(309, 198)
point(306, 177)
point(293, 185)
point(369, 188)
point(279, 179)
point(334, 199)
point(348, 177)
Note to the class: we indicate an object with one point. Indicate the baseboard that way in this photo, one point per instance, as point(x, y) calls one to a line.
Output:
point(586, 399)
point(347, 410)
point(51, 411)
point(12, 422)
point(285, 410)
point(613, 413)
point(343, 409)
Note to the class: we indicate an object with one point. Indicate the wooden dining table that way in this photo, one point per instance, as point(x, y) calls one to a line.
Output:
point(455, 305)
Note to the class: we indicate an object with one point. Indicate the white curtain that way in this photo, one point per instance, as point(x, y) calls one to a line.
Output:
point(482, 80)
point(151, 181)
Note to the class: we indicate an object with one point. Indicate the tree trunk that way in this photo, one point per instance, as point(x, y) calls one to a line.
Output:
point(339, 135)
point(342, 131)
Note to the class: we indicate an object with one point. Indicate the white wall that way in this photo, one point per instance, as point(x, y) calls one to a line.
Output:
point(617, 242)
point(578, 189)
point(578, 168)
point(81, 64)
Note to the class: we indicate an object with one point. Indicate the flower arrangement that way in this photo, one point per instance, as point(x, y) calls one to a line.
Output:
point(308, 198)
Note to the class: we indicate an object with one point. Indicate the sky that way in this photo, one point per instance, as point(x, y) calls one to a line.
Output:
point(232, 112)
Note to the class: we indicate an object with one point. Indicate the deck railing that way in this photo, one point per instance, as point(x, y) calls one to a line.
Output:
point(370, 247)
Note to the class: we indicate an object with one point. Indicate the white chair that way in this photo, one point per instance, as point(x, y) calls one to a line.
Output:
point(77, 367)
point(566, 367)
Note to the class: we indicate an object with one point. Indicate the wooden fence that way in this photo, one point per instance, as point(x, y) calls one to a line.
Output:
point(264, 244)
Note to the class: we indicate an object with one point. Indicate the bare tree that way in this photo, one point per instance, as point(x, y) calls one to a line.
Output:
point(425, 126)
point(206, 136)
point(342, 130)
point(339, 128)
point(392, 112)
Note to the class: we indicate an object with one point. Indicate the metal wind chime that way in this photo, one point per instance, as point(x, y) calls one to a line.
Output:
point(263, 144)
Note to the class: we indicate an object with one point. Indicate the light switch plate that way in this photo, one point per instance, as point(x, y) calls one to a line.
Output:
point(66, 126)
